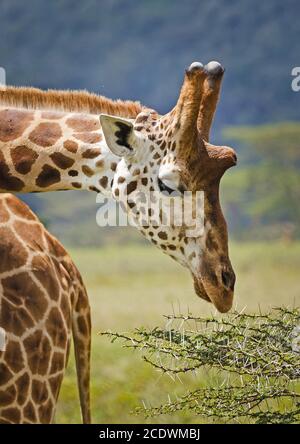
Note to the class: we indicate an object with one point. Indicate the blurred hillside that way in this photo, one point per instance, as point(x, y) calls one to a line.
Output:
point(262, 196)
point(138, 50)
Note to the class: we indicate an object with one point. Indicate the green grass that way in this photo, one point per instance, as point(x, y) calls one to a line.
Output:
point(130, 286)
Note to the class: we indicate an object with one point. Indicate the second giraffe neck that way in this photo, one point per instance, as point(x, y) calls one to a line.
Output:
point(50, 151)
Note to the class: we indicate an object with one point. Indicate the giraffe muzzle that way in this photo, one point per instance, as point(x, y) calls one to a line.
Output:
point(220, 297)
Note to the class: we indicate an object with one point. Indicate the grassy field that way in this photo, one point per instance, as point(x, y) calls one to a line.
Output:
point(135, 285)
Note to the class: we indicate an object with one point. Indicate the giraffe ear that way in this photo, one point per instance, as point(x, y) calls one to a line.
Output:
point(119, 135)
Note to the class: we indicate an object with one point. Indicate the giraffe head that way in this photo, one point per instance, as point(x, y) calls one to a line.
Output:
point(171, 155)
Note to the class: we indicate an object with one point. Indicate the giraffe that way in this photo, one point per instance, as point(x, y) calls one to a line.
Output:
point(42, 297)
point(130, 149)
point(42, 302)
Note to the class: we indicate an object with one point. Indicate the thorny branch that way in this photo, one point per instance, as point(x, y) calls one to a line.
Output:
point(263, 350)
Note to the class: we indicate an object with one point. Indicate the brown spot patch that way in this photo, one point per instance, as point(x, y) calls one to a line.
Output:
point(162, 235)
point(29, 412)
point(19, 208)
point(88, 137)
point(61, 160)
point(131, 187)
point(82, 326)
point(48, 176)
point(22, 291)
point(73, 173)
point(142, 118)
point(83, 123)
point(131, 204)
point(71, 146)
point(32, 237)
point(56, 329)
point(55, 383)
point(91, 153)
point(4, 214)
point(38, 351)
point(44, 271)
point(13, 123)
point(12, 252)
point(15, 319)
point(23, 158)
point(103, 181)
point(76, 185)
point(58, 362)
point(22, 384)
point(46, 134)
point(87, 170)
point(39, 391)
point(82, 301)
point(46, 412)
point(13, 356)
point(138, 127)
point(92, 188)
point(8, 396)
point(12, 414)
point(5, 374)
point(7, 181)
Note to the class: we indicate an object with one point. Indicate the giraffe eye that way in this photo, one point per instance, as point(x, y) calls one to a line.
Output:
point(167, 190)
point(164, 188)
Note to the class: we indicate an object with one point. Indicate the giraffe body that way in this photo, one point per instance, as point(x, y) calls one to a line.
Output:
point(50, 151)
point(42, 301)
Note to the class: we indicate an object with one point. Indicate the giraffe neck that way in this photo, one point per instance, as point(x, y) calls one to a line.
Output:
point(50, 151)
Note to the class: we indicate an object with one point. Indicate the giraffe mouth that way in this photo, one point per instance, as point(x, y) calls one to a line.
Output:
point(200, 291)
point(222, 299)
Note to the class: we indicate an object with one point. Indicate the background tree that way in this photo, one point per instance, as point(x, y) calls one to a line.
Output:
point(263, 194)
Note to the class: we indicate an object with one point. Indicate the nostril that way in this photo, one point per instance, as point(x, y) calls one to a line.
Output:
point(228, 279)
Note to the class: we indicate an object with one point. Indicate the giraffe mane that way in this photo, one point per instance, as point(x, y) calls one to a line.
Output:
point(67, 100)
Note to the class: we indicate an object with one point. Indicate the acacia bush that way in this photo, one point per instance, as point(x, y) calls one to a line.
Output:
point(258, 355)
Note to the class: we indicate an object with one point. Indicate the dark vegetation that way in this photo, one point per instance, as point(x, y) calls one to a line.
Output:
point(256, 358)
